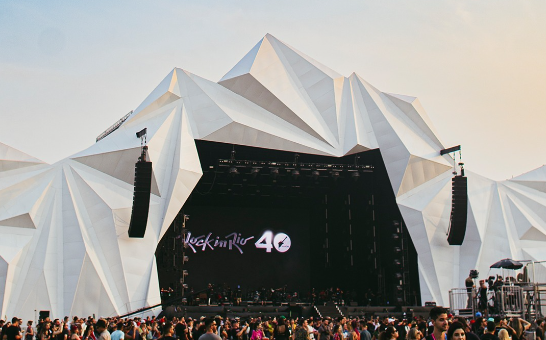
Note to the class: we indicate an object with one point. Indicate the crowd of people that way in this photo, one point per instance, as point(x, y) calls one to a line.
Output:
point(439, 326)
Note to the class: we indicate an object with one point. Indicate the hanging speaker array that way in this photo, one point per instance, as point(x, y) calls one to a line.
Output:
point(459, 210)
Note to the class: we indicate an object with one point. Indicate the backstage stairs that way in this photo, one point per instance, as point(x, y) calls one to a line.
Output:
point(329, 309)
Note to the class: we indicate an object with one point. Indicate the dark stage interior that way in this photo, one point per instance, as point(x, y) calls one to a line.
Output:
point(295, 223)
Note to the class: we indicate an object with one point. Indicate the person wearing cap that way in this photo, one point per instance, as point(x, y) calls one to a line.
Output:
point(439, 324)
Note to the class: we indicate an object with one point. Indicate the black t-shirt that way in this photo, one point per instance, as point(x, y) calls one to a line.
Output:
point(324, 332)
point(179, 330)
point(12, 332)
point(489, 336)
point(472, 336)
point(61, 336)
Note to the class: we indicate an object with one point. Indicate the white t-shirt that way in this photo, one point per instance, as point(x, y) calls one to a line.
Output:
point(117, 335)
point(105, 335)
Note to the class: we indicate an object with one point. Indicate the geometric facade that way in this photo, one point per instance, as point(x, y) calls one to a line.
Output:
point(64, 244)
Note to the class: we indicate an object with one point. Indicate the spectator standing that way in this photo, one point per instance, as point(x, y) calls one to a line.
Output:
point(210, 331)
point(102, 331)
point(29, 333)
point(168, 331)
point(118, 333)
point(14, 331)
point(45, 332)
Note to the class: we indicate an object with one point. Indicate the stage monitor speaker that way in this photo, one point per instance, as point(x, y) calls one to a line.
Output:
point(43, 314)
point(141, 199)
point(459, 207)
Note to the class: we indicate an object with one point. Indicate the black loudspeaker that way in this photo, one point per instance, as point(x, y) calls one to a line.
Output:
point(43, 314)
point(141, 199)
point(459, 207)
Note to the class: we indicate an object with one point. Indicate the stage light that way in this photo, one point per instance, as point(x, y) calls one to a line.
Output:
point(355, 175)
point(185, 259)
point(315, 174)
point(185, 286)
point(335, 175)
point(274, 172)
point(397, 262)
point(254, 172)
point(398, 275)
point(233, 171)
point(185, 272)
point(295, 173)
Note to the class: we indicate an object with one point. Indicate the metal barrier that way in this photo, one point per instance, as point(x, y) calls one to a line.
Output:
point(511, 301)
point(462, 302)
point(507, 300)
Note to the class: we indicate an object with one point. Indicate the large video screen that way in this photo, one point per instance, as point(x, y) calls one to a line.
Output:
point(252, 248)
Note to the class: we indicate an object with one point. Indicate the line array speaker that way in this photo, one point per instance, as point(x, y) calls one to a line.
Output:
point(459, 209)
point(141, 199)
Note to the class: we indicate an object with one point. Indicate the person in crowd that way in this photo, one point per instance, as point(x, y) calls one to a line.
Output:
point(210, 330)
point(438, 315)
point(281, 331)
point(501, 323)
point(225, 330)
point(503, 334)
point(414, 334)
point(45, 331)
point(118, 334)
point(75, 332)
point(456, 331)
point(29, 332)
point(13, 331)
point(519, 326)
point(143, 331)
point(364, 333)
point(325, 330)
point(489, 333)
point(257, 333)
point(101, 330)
point(390, 333)
point(168, 331)
point(338, 332)
point(89, 333)
point(301, 332)
point(130, 330)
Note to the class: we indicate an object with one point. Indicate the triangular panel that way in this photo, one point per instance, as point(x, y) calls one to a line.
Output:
point(420, 171)
point(118, 164)
point(21, 221)
point(248, 87)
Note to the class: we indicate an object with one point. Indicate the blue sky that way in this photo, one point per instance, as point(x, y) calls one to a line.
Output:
point(70, 69)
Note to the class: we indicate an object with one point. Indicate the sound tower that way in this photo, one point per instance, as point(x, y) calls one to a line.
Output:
point(459, 204)
point(141, 196)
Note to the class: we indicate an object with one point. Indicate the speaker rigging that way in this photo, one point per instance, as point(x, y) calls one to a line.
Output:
point(142, 190)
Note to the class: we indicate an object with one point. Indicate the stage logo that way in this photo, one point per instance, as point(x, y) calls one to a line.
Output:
point(268, 241)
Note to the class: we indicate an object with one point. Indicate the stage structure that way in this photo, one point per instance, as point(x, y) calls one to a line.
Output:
point(65, 244)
